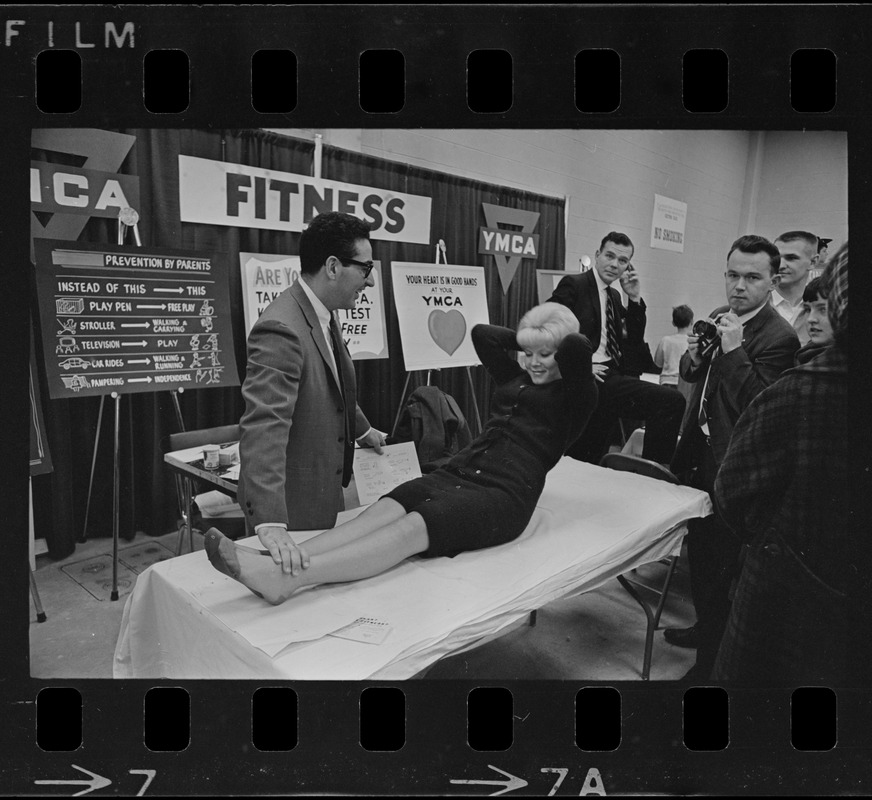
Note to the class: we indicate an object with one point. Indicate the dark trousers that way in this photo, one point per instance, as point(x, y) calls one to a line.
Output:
point(713, 552)
point(661, 407)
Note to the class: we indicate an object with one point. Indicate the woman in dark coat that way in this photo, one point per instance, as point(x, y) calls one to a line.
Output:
point(783, 487)
point(484, 496)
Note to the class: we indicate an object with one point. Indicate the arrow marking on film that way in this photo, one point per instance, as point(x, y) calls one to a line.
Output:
point(135, 325)
point(147, 379)
point(95, 782)
point(139, 361)
point(174, 291)
point(510, 785)
point(161, 307)
point(143, 343)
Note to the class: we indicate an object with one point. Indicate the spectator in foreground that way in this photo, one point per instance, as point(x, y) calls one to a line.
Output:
point(751, 345)
point(783, 487)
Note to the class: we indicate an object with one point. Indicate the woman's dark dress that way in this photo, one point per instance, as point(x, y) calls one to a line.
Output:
point(487, 493)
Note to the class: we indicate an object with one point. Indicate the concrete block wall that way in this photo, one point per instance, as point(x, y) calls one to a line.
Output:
point(610, 177)
point(804, 185)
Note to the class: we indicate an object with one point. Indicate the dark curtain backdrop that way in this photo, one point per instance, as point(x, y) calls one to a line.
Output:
point(456, 216)
point(148, 499)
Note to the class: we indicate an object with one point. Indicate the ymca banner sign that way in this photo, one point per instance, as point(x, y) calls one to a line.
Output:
point(508, 247)
point(220, 193)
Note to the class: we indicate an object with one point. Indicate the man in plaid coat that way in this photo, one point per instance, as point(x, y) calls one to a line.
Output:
point(783, 487)
point(756, 346)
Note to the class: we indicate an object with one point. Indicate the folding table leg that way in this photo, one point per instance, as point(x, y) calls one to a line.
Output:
point(649, 632)
point(187, 522)
point(664, 592)
point(40, 614)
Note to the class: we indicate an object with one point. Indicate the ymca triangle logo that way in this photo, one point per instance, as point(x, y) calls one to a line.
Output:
point(502, 239)
point(103, 152)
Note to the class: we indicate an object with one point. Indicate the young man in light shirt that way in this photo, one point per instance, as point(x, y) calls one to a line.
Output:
point(799, 254)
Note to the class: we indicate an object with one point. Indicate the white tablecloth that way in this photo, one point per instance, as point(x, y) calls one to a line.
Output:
point(184, 619)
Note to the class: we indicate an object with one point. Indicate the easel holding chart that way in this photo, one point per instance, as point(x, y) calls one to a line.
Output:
point(119, 320)
point(437, 307)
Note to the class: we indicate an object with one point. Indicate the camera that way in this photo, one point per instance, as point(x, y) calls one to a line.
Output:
point(709, 338)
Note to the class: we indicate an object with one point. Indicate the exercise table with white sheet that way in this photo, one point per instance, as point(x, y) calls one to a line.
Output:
point(185, 619)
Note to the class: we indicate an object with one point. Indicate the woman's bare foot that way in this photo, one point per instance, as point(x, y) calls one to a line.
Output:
point(260, 575)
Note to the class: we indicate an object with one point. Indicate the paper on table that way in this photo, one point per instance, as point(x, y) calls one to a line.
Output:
point(364, 629)
point(376, 475)
point(231, 473)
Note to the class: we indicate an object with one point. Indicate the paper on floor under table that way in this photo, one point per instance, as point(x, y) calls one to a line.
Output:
point(375, 475)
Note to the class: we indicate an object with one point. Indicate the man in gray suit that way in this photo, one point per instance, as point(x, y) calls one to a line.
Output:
point(301, 416)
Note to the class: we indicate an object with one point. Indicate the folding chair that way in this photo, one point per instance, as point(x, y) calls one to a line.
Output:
point(185, 486)
point(651, 469)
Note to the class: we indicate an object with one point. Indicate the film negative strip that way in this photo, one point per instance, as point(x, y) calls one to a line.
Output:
point(425, 68)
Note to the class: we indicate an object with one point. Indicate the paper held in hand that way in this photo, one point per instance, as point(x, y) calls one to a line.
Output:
point(375, 475)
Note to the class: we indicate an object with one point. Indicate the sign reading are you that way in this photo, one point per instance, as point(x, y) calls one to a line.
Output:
point(265, 276)
point(437, 307)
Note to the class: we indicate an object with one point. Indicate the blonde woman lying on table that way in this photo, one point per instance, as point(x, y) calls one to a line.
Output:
point(483, 497)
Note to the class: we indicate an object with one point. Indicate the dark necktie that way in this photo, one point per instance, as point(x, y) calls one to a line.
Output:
point(613, 349)
point(337, 345)
point(706, 392)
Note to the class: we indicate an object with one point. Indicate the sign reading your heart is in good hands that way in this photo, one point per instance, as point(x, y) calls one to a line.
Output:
point(437, 307)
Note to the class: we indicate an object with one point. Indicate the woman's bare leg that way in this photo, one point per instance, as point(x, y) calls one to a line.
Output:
point(362, 557)
point(380, 514)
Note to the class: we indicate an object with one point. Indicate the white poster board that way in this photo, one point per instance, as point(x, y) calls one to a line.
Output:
point(547, 280)
point(363, 327)
point(667, 224)
point(437, 307)
point(265, 276)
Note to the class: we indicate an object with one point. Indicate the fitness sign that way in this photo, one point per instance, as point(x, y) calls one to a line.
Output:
point(123, 319)
point(221, 193)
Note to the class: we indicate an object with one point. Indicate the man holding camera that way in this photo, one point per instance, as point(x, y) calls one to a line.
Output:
point(744, 349)
point(604, 319)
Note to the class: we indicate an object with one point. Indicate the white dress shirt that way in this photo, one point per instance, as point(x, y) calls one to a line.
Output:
point(323, 315)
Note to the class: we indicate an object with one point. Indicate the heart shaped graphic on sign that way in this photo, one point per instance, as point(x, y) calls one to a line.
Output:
point(447, 329)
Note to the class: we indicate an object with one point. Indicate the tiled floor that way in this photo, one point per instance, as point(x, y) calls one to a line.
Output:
point(599, 635)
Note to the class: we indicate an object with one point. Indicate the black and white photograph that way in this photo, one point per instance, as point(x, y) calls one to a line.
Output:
point(387, 429)
point(475, 557)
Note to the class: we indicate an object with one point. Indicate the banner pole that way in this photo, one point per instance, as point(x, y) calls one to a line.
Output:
point(318, 156)
point(174, 393)
point(400, 408)
point(84, 537)
point(474, 400)
point(116, 495)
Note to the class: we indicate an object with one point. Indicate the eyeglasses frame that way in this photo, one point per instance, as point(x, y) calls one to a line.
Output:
point(367, 266)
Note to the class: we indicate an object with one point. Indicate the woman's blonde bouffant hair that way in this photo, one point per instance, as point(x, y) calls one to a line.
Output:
point(546, 325)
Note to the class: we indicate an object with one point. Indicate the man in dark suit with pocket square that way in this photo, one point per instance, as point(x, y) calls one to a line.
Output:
point(603, 319)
